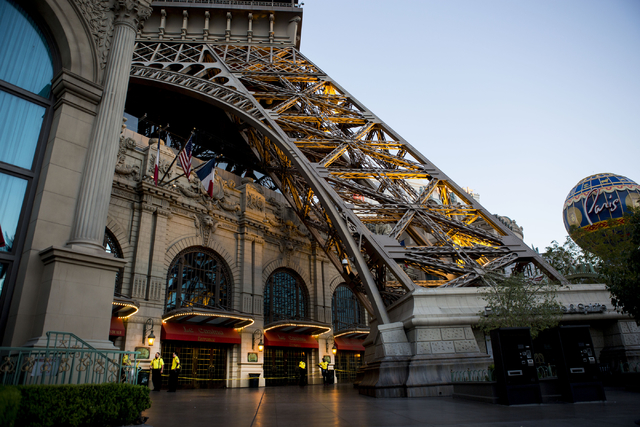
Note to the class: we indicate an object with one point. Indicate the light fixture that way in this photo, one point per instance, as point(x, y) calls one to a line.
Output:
point(148, 326)
point(334, 349)
point(257, 335)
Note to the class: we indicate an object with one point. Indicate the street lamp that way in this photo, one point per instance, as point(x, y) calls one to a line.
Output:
point(257, 336)
point(148, 325)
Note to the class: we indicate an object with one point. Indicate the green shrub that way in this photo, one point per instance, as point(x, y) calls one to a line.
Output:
point(9, 404)
point(81, 405)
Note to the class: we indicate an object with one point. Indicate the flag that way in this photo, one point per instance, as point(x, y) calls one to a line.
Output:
point(185, 158)
point(2, 242)
point(206, 175)
point(155, 169)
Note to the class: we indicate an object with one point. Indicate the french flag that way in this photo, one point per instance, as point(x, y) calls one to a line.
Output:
point(207, 174)
point(156, 168)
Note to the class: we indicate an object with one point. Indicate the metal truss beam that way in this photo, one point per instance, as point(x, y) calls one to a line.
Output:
point(369, 198)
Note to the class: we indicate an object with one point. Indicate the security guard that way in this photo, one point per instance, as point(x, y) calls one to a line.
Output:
point(173, 374)
point(303, 372)
point(324, 365)
point(157, 367)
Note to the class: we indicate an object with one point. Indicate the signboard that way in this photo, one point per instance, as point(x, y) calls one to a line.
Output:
point(281, 339)
point(352, 344)
point(199, 333)
point(117, 327)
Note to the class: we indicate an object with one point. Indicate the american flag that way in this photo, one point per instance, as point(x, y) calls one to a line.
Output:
point(185, 158)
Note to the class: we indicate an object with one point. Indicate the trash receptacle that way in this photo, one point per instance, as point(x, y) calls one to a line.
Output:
point(330, 376)
point(143, 378)
point(254, 380)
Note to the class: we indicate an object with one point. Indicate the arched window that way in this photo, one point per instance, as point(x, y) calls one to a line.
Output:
point(198, 277)
point(26, 70)
point(111, 246)
point(285, 297)
point(347, 310)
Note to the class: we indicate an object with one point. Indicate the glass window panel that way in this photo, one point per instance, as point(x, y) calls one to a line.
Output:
point(3, 274)
point(12, 192)
point(25, 60)
point(20, 123)
point(203, 275)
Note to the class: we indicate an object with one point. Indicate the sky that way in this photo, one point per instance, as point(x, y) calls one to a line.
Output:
point(517, 100)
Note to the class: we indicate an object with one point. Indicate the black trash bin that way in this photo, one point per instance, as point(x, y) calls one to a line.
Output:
point(143, 378)
point(254, 380)
point(330, 376)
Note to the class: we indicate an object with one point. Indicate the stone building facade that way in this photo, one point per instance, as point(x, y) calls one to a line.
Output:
point(251, 229)
point(85, 184)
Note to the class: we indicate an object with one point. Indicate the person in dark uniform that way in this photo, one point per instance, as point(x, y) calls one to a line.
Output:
point(173, 373)
point(157, 366)
point(303, 372)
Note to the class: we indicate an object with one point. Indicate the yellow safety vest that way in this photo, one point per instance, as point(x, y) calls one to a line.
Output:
point(157, 363)
point(175, 364)
point(125, 360)
point(324, 365)
point(302, 365)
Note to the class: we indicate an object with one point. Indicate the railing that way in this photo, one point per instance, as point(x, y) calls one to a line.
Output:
point(237, 2)
point(67, 359)
point(473, 375)
point(57, 339)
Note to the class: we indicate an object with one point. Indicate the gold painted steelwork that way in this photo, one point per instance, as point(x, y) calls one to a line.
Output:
point(367, 196)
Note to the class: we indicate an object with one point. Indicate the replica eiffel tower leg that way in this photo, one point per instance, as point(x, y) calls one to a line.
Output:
point(375, 205)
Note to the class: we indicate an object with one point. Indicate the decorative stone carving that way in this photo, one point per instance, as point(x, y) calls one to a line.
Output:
point(131, 12)
point(254, 201)
point(206, 226)
point(121, 168)
point(194, 190)
point(100, 20)
point(163, 167)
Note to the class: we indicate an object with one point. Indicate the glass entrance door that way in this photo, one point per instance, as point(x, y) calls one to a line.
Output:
point(281, 365)
point(347, 364)
point(203, 365)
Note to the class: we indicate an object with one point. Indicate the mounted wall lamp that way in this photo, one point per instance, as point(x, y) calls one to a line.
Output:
point(148, 326)
point(331, 340)
point(257, 336)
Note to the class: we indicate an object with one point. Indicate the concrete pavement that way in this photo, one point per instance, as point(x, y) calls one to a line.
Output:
point(341, 406)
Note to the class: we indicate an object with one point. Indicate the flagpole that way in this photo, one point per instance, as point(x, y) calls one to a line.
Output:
point(182, 174)
point(176, 158)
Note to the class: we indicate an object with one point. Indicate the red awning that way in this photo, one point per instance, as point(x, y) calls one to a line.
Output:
point(117, 327)
point(281, 339)
point(352, 344)
point(199, 333)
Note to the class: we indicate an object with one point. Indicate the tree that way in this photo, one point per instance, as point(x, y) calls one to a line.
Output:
point(517, 301)
point(620, 268)
point(617, 262)
point(568, 257)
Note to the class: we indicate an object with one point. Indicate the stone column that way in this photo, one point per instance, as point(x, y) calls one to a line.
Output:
point(95, 191)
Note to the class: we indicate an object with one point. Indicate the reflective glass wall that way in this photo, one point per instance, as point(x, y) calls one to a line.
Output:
point(26, 70)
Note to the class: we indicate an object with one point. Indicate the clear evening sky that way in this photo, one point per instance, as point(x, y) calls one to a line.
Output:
point(517, 100)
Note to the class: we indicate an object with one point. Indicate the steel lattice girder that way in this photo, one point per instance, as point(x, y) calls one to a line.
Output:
point(341, 168)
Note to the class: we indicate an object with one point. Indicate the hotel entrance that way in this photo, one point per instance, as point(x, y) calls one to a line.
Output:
point(203, 365)
point(281, 365)
point(347, 364)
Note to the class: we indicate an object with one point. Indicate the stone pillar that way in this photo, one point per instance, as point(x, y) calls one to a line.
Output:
point(95, 191)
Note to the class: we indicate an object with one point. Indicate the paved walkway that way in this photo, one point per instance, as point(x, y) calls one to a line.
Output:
point(341, 406)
